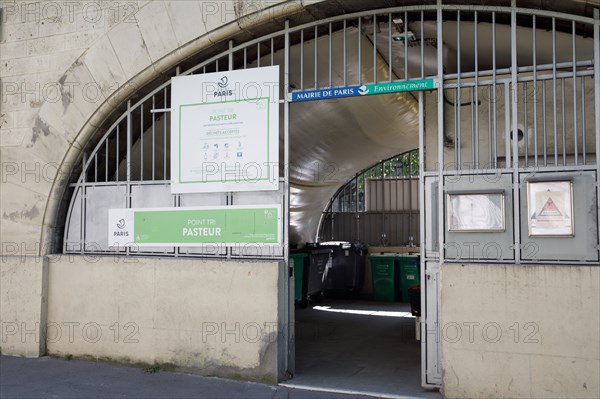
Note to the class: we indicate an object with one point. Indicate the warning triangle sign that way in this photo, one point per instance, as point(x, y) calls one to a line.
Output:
point(550, 209)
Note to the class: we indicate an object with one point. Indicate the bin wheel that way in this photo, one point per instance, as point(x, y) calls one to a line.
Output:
point(303, 303)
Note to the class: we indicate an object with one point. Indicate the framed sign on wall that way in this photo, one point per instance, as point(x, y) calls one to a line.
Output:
point(473, 211)
point(225, 131)
point(550, 208)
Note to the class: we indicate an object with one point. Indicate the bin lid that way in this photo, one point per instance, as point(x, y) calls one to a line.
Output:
point(382, 256)
point(299, 254)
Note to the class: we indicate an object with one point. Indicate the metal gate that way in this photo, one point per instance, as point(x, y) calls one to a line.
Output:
point(517, 95)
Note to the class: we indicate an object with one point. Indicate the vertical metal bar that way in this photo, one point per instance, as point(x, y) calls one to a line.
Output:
point(474, 143)
point(345, 55)
point(583, 122)
point(535, 99)
point(82, 218)
point(142, 142)
point(390, 61)
point(290, 350)
point(357, 216)
point(272, 52)
point(456, 132)
point(409, 209)
point(525, 130)
point(258, 55)
point(153, 141)
point(374, 48)
point(117, 152)
point(165, 136)
point(389, 198)
point(96, 167)
point(490, 139)
point(286, 140)
point(575, 131)
point(230, 55)
point(330, 56)
point(544, 123)
point(597, 102)
point(356, 194)
point(230, 67)
point(494, 84)
point(405, 45)
point(245, 57)
point(128, 149)
point(457, 99)
point(332, 226)
point(555, 120)
point(564, 127)
point(382, 202)
point(476, 98)
point(440, 132)
point(302, 59)
point(106, 157)
point(423, 49)
point(316, 57)
point(217, 65)
point(507, 125)
point(515, 128)
point(359, 50)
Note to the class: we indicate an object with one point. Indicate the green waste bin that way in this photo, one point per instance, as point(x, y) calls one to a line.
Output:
point(383, 272)
point(408, 270)
point(299, 259)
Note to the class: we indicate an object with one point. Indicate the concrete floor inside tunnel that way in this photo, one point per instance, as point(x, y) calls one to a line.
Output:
point(359, 346)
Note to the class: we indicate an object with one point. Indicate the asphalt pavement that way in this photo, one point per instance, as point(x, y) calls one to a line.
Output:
point(49, 377)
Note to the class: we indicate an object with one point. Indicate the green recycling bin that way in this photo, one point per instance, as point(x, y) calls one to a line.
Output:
point(408, 270)
point(383, 272)
point(298, 258)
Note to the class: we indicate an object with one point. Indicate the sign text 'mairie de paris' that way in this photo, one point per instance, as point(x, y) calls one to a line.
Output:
point(364, 90)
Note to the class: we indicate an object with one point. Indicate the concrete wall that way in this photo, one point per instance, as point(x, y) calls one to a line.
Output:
point(211, 317)
point(65, 66)
point(520, 331)
point(23, 303)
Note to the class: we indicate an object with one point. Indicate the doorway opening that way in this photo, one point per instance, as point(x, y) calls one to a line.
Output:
point(355, 328)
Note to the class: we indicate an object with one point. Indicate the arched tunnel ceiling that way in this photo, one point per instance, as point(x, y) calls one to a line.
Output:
point(331, 140)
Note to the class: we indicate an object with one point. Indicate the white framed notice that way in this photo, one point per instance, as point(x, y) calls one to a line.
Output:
point(476, 212)
point(550, 208)
point(225, 131)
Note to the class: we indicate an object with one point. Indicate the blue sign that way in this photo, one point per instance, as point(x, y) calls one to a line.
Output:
point(325, 94)
point(364, 90)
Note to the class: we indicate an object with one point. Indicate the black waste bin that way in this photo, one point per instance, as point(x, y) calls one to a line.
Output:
point(346, 275)
point(314, 276)
point(414, 295)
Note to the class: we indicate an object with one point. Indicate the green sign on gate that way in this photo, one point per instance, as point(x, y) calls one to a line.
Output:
point(230, 226)
point(397, 87)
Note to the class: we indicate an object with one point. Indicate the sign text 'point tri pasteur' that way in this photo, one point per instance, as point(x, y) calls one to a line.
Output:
point(225, 131)
point(196, 226)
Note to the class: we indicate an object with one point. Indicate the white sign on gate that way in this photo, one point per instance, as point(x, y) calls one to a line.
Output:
point(225, 131)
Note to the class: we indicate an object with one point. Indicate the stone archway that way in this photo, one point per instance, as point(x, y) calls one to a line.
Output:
point(126, 58)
